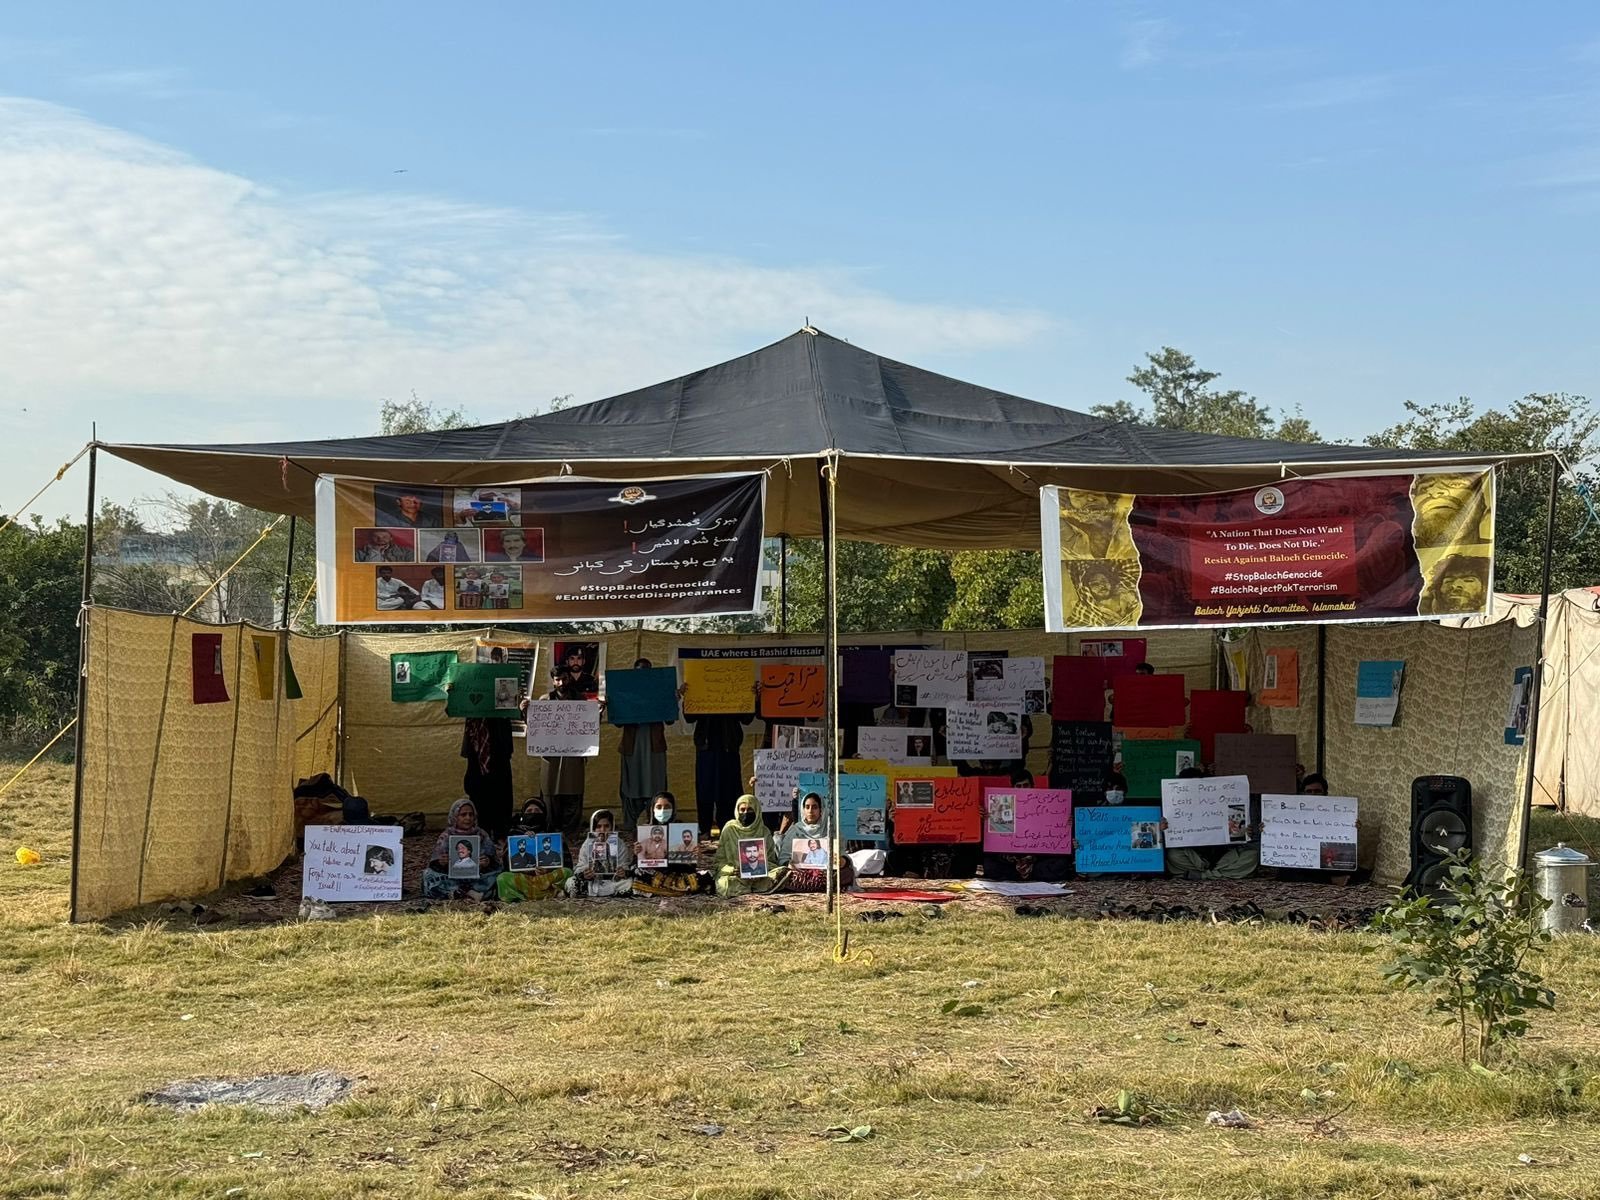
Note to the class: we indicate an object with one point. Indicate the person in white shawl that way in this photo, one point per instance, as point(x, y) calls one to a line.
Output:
point(808, 865)
point(604, 861)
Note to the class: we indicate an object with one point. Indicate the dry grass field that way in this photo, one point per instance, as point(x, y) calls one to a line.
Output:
point(566, 1050)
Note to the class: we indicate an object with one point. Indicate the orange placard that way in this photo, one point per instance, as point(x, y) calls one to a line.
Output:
point(1280, 683)
point(954, 816)
point(793, 690)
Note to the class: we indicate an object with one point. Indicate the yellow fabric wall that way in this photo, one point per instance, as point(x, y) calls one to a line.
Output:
point(179, 798)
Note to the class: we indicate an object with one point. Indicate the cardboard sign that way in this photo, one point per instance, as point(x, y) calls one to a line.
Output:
point(1378, 686)
point(1267, 759)
point(1211, 713)
point(642, 697)
point(353, 862)
point(863, 804)
point(796, 737)
point(1118, 839)
point(483, 690)
point(866, 677)
point(1027, 821)
point(896, 744)
point(534, 851)
point(654, 845)
point(778, 776)
point(718, 685)
point(1078, 689)
point(418, 677)
point(930, 678)
point(205, 662)
point(1147, 700)
point(793, 690)
point(1081, 755)
point(524, 654)
point(954, 814)
point(564, 728)
point(1315, 832)
point(863, 766)
point(1280, 679)
point(1206, 812)
point(1147, 763)
point(981, 731)
point(1008, 682)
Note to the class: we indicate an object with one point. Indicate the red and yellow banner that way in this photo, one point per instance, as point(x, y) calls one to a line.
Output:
point(1334, 548)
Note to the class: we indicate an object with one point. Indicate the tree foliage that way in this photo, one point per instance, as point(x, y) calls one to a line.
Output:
point(41, 577)
point(893, 587)
point(1181, 397)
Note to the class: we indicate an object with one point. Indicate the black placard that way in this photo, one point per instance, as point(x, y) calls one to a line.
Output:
point(1080, 755)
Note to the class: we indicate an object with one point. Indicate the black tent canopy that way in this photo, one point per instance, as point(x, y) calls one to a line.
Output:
point(923, 459)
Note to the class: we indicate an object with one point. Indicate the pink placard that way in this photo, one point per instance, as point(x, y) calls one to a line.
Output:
point(1027, 820)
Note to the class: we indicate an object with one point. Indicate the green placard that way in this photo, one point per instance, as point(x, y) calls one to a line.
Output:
point(483, 690)
point(421, 676)
point(291, 681)
point(1147, 763)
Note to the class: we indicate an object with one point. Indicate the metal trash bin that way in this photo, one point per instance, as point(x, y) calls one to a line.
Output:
point(1563, 880)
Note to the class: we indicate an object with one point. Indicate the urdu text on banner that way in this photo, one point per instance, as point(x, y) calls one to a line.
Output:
point(1390, 547)
point(552, 550)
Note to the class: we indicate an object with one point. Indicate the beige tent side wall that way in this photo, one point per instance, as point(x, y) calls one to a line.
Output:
point(1451, 722)
point(179, 798)
point(407, 757)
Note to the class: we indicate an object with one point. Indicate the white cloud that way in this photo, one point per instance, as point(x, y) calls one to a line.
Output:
point(157, 83)
point(174, 301)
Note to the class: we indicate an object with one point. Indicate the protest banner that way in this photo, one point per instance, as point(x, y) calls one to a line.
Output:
point(1315, 832)
point(352, 862)
point(718, 686)
point(1147, 763)
point(930, 678)
point(981, 731)
point(1027, 821)
point(1410, 546)
point(642, 696)
point(1118, 839)
point(1214, 811)
point(1081, 755)
point(564, 728)
point(895, 744)
point(1268, 760)
point(778, 775)
point(793, 690)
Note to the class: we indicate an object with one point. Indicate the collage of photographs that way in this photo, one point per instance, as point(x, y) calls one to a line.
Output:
point(441, 549)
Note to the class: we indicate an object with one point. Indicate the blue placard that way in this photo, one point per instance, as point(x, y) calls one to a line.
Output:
point(1377, 679)
point(862, 803)
point(638, 697)
point(1118, 838)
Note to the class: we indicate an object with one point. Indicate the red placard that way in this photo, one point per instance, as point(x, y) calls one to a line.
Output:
point(1078, 688)
point(955, 817)
point(1211, 713)
point(206, 666)
point(1147, 700)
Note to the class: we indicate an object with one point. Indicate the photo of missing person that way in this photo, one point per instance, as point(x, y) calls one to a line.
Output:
point(1002, 814)
point(752, 858)
point(548, 850)
point(1338, 856)
point(919, 745)
point(1182, 760)
point(1095, 525)
point(486, 506)
point(520, 852)
point(913, 793)
point(489, 587)
point(507, 692)
point(1238, 823)
point(405, 506)
point(905, 695)
point(796, 737)
point(513, 545)
point(385, 545)
point(393, 592)
point(576, 668)
point(1002, 723)
point(1450, 510)
point(652, 845)
point(464, 857)
point(449, 545)
point(988, 668)
point(379, 861)
point(869, 822)
point(1458, 584)
point(1033, 701)
point(470, 582)
point(433, 590)
point(1100, 592)
point(682, 842)
point(809, 852)
point(1146, 835)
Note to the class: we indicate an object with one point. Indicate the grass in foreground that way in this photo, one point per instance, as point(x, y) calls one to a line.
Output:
point(565, 1051)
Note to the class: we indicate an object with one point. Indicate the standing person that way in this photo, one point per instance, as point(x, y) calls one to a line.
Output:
point(717, 738)
point(564, 777)
point(644, 764)
point(486, 745)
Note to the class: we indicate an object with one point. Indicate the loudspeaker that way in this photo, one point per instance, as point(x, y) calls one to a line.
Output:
point(1441, 825)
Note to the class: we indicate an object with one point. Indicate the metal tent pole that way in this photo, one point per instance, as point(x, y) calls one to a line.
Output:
point(1322, 699)
point(1539, 660)
point(288, 574)
point(827, 478)
point(783, 583)
point(83, 678)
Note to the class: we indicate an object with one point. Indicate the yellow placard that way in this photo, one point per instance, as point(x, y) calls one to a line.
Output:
point(719, 685)
point(863, 766)
point(265, 649)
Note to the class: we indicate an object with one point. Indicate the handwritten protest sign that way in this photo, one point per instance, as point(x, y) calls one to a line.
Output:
point(896, 744)
point(793, 690)
point(979, 731)
point(719, 685)
point(564, 728)
point(1280, 679)
point(1206, 812)
point(1266, 759)
point(1315, 832)
point(352, 862)
point(1081, 755)
point(1027, 821)
point(1118, 839)
point(642, 696)
point(778, 775)
point(1147, 763)
point(520, 652)
point(954, 814)
point(863, 804)
point(862, 766)
point(419, 676)
point(930, 678)
point(1009, 682)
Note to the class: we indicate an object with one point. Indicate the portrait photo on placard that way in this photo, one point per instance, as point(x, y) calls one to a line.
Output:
point(1144, 835)
point(919, 745)
point(905, 695)
point(1238, 823)
point(486, 506)
point(653, 845)
point(869, 822)
point(507, 691)
point(683, 839)
point(380, 545)
point(405, 506)
point(521, 853)
point(449, 545)
point(547, 852)
point(576, 667)
point(1002, 723)
point(1002, 815)
point(378, 860)
point(796, 737)
point(913, 793)
point(1338, 856)
point(513, 545)
point(808, 852)
point(752, 858)
point(463, 851)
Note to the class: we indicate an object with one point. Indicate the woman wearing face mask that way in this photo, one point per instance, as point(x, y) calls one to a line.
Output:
point(681, 876)
point(746, 826)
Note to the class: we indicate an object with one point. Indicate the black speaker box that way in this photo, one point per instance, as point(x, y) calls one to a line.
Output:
point(1441, 826)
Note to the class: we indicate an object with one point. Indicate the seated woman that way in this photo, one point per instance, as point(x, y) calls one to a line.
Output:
point(804, 848)
point(1026, 868)
point(603, 863)
point(1235, 861)
point(681, 876)
point(437, 883)
point(752, 867)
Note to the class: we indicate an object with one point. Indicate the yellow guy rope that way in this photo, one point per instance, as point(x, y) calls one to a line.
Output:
point(56, 478)
point(6, 787)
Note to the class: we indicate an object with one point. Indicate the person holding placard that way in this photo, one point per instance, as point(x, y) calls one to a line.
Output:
point(681, 876)
point(745, 825)
point(486, 745)
point(1022, 868)
point(794, 846)
point(717, 739)
point(644, 763)
point(437, 883)
point(604, 861)
point(1239, 859)
point(564, 777)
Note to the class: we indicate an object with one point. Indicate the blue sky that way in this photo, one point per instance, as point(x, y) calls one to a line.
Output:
point(203, 234)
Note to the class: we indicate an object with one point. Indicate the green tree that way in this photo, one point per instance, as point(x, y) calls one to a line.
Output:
point(1181, 397)
point(996, 589)
point(1537, 422)
point(881, 587)
point(417, 416)
point(41, 576)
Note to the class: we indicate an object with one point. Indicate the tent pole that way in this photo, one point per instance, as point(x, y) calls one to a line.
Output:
point(83, 678)
point(1539, 659)
point(826, 480)
point(783, 583)
point(288, 574)
point(1322, 699)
